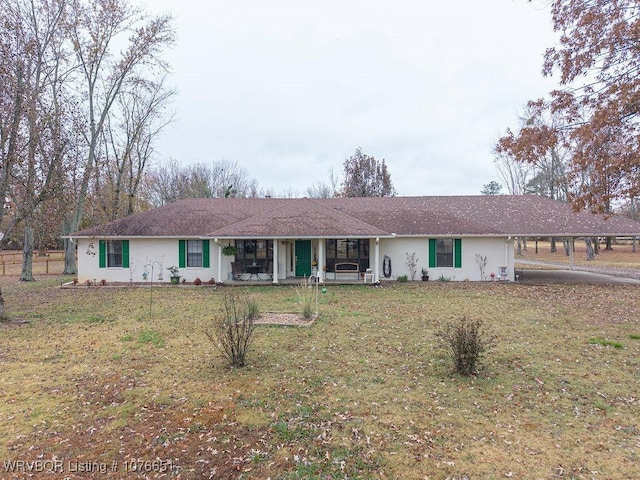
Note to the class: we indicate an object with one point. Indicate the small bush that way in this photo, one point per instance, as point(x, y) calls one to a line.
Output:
point(403, 278)
point(212, 281)
point(197, 281)
point(465, 342)
point(234, 327)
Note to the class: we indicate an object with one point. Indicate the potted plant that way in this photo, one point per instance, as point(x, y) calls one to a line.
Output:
point(229, 250)
point(174, 274)
point(425, 275)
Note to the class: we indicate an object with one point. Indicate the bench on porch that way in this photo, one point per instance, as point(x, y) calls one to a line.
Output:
point(346, 268)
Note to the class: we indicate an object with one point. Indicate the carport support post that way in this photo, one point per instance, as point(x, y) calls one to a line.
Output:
point(571, 245)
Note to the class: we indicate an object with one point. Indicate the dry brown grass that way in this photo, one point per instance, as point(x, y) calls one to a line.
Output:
point(363, 393)
point(50, 264)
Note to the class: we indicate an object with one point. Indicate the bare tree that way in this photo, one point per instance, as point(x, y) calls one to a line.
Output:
point(32, 140)
point(171, 181)
point(95, 28)
point(130, 131)
point(320, 190)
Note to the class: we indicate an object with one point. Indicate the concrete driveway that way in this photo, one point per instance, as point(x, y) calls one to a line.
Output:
point(573, 276)
point(558, 274)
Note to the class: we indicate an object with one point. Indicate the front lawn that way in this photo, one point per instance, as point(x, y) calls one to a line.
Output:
point(94, 382)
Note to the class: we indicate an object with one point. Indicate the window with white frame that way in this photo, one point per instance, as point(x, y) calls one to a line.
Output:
point(194, 253)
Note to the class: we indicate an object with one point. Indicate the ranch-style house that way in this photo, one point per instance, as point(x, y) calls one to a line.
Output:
point(368, 239)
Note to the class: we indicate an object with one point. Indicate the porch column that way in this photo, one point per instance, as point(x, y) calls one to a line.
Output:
point(376, 264)
point(219, 259)
point(321, 259)
point(275, 260)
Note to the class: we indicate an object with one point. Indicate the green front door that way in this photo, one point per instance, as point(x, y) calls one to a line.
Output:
point(303, 258)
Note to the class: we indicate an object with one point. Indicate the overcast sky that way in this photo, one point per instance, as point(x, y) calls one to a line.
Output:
point(290, 88)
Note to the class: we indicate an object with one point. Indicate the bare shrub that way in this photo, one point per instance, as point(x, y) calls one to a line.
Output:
point(306, 296)
point(234, 327)
point(412, 264)
point(466, 342)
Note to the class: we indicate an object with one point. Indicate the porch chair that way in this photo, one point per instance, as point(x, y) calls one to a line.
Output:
point(236, 270)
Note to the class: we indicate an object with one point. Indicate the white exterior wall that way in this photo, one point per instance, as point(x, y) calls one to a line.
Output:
point(162, 253)
point(499, 253)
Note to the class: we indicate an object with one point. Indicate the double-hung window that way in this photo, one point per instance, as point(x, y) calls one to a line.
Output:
point(114, 254)
point(445, 252)
point(193, 253)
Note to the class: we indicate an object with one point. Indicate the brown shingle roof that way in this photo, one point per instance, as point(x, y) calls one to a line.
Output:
point(298, 218)
point(498, 215)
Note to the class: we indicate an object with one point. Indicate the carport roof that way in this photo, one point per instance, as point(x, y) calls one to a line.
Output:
point(485, 215)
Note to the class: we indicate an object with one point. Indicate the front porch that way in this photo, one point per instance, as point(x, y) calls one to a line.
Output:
point(295, 281)
point(282, 260)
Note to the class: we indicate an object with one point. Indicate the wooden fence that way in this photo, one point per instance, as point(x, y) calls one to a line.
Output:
point(52, 263)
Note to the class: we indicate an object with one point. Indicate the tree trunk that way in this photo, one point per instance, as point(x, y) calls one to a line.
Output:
point(567, 246)
point(70, 267)
point(609, 243)
point(553, 245)
point(3, 311)
point(519, 247)
point(27, 254)
point(590, 254)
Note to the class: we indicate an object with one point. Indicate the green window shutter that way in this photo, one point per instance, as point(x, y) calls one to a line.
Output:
point(432, 253)
point(102, 254)
point(457, 253)
point(205, 254)
point(182, 253)
point(125, 253)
